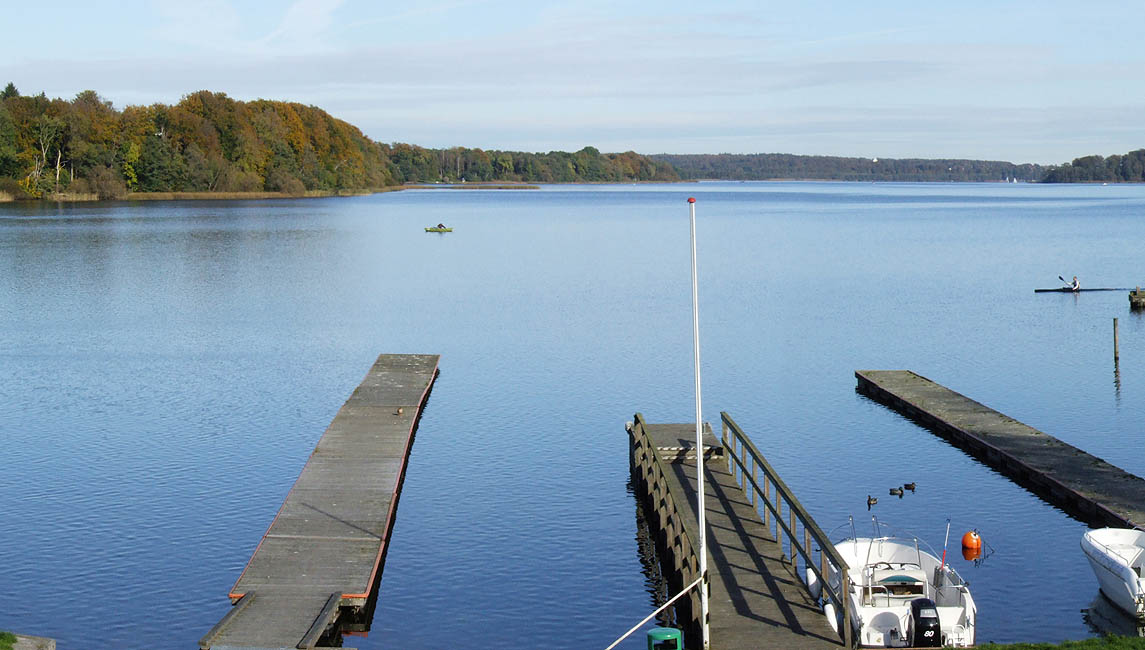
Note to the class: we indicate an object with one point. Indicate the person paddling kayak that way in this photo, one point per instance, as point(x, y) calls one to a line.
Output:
point(1075, 285)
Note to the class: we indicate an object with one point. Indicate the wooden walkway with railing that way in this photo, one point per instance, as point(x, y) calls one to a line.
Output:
point(756, 598)
point(319, 563)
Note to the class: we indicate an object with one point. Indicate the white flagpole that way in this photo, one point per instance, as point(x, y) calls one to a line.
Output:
point(699, 437)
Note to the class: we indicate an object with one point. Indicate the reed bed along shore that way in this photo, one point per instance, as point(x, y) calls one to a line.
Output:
point(229, 196)
point(66, 197)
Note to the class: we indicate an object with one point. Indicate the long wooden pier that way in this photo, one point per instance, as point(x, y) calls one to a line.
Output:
point(321, 560)
point(1084, 485)
point(756, 599)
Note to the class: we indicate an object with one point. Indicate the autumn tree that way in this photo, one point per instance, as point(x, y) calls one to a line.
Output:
point(211, 142)
point(9, 162)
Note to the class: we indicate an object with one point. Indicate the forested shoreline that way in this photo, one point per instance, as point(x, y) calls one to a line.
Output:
point(777, 166)
point(1124, 168)
point(211, 143)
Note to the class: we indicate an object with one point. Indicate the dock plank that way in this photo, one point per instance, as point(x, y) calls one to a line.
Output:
point(755, 598)
point(1088, 487)
point(330, 536)
point(278, 616)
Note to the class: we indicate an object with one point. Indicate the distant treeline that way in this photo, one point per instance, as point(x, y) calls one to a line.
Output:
point(1129, 168)
point(417, 164)
point(209, 142)
point(773, 166)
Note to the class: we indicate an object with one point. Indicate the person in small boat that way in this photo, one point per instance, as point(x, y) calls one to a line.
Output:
point(1075, 285)
point(442, 226)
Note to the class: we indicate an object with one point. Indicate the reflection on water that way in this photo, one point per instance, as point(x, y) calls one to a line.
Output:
point(1117, 381)
point(1103, 617)
point(978, 556)
point(655, 583)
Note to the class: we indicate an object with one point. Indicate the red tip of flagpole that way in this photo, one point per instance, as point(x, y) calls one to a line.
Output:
point(691, 199)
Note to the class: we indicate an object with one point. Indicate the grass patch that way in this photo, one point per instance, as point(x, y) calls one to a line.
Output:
point(7, 640)
point(1103, 643)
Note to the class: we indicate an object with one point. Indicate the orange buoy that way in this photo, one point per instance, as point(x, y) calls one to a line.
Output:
point(971, 540)
point(971, 554)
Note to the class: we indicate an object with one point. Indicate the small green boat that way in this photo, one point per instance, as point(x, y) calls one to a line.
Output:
point(439, 229)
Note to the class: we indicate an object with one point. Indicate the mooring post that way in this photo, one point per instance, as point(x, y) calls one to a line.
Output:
point(1115, 354)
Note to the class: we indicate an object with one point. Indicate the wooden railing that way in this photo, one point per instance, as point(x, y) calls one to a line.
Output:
point(758, 478)
point(674, 525)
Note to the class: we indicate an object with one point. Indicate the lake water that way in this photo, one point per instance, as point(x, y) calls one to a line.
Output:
point(168, 367)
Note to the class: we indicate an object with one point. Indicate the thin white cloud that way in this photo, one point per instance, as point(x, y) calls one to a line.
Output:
point(418, 10)
point(857, 36)
point(304, 27)
point(209, 24)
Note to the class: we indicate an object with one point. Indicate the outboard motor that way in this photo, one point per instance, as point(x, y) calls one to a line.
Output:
point(925, 629)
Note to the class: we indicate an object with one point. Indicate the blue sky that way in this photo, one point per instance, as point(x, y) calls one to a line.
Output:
point(1039, 82)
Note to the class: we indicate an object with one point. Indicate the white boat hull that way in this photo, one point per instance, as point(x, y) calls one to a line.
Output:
point(1117, 557)
point(885, 576)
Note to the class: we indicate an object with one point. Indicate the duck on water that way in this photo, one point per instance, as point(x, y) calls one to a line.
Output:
point(901, 594)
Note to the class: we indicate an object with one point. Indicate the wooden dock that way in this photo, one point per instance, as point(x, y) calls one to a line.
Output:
point(1137, 299)
point(1083, 485)
point(756, 599)
point(322, 557)
point(24, 642)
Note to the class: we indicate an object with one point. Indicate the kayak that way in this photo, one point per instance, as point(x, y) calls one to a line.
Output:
point(439, 229)
point(1067, 290)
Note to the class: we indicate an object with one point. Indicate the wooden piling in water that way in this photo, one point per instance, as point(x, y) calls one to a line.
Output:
point(1116, 355)
point(1137, 299)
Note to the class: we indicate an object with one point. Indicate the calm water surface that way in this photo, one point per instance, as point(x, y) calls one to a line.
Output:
point(167, 369)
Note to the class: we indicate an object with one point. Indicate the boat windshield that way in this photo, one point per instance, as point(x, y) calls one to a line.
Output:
point(881, 532)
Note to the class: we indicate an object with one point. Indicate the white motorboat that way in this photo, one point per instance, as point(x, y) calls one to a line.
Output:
point(901, 594)
point(1117, 556)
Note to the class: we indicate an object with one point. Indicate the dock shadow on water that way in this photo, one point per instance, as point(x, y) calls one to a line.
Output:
point(654, 581)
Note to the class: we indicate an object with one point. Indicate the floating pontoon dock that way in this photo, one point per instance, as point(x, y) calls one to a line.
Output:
point(322, 557)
